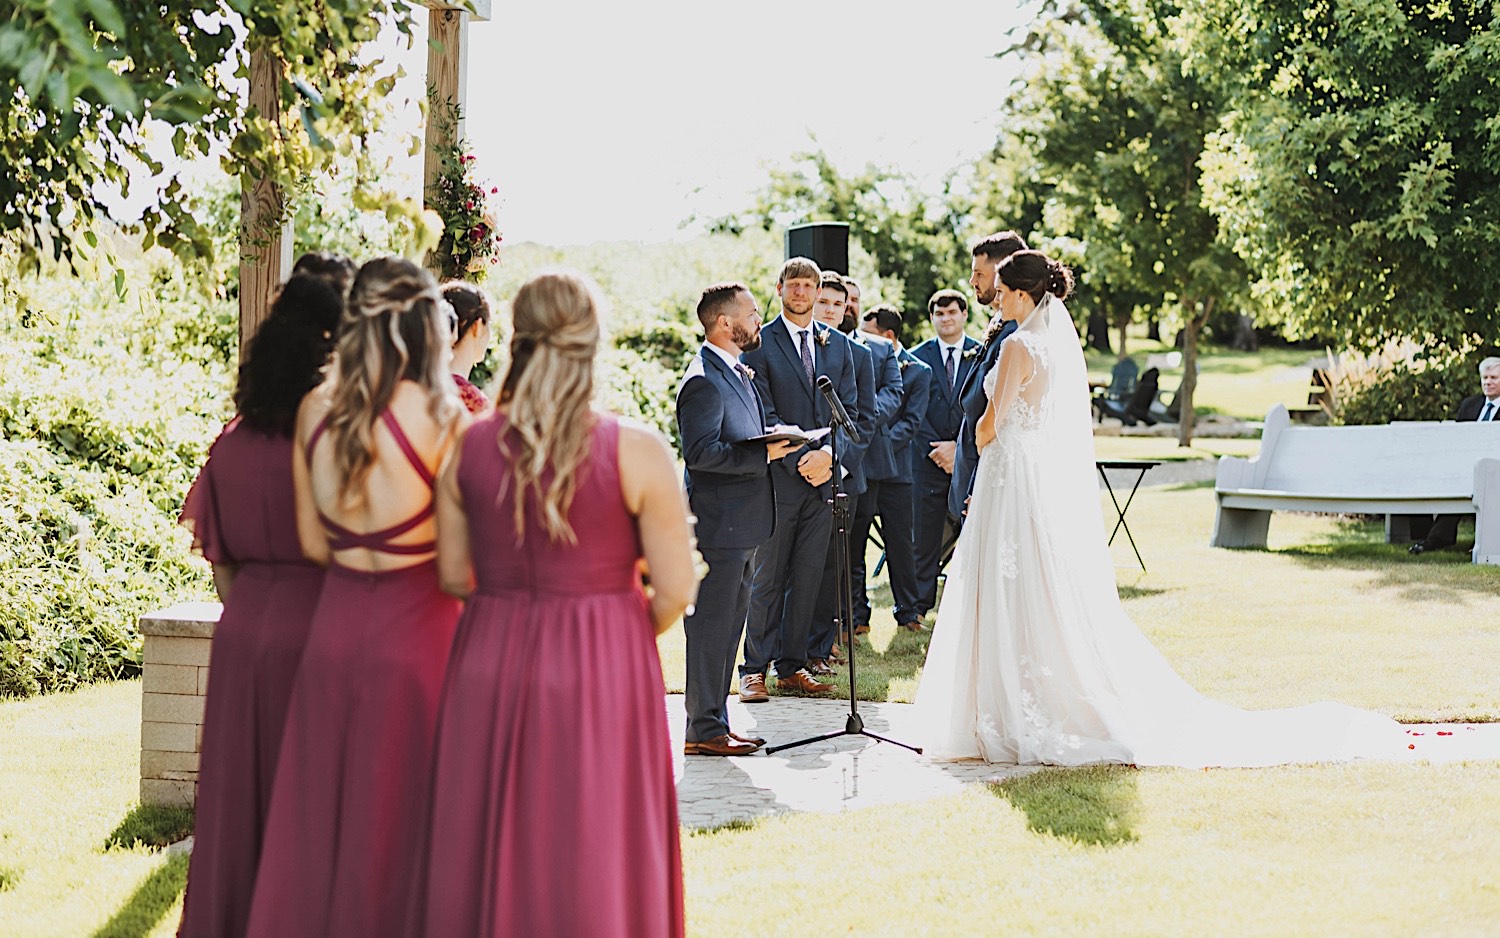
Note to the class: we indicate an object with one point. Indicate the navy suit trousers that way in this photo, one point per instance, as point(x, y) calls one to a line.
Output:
point(788, 571)
point(713, 630)
point(891, 501)
point(931, 528)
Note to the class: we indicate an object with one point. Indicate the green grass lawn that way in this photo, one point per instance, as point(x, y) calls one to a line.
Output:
point(1328, 612)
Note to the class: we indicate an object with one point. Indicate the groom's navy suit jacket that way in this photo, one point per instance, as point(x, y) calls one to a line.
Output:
point(788, 398)
point(728, 483)
point(973, 400)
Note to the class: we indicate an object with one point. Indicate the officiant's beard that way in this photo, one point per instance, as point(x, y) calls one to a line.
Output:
point(744, 339)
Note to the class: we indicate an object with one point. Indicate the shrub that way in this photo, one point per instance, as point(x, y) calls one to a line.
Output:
point(107, 407)
point(79, 564)
point(1403, 383)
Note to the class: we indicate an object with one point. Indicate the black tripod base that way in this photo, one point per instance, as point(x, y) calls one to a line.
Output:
point(853, 726)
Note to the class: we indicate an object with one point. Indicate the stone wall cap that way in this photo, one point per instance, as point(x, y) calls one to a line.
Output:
point(184, 620)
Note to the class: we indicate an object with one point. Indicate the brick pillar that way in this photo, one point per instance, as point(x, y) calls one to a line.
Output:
point(174, 665)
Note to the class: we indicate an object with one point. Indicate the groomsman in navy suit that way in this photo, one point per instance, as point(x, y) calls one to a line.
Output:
point(795, 351)
point(878, 384)
point(988, 253)
point(952, 356)
point(888, 476)
point(729, 489)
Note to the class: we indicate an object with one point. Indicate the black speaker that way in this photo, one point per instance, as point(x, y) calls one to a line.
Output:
point(825, 243)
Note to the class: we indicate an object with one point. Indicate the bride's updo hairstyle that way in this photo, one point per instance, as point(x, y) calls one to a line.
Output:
point(394, 328)
point(547, 393)
point(1036, 275)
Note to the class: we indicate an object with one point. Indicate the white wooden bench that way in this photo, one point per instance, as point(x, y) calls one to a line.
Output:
point(1394, 470)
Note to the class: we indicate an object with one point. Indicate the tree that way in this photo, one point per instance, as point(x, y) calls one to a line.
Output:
point(1118, 128)
point(1358, 171)
point(87, 85)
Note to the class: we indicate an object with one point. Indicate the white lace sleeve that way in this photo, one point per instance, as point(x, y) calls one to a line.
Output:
point(989, 380)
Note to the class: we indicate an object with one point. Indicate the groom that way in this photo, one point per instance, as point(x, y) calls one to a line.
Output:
point(988, 253)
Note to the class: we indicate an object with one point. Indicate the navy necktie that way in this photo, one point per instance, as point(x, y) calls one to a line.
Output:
point(807, 359)
point(1489, 412)
point(951, 366)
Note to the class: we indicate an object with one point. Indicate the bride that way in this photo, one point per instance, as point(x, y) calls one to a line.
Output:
point(1033, 659)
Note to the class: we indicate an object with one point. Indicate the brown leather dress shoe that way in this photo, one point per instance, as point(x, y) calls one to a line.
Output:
point(726, 745)
point(819, 667)
point(803, 682)
point(861, 630)
point(748, 739)
point(914, 626)
point(753, 689)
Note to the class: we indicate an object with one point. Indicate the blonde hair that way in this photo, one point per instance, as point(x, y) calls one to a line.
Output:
point(547, 392)
point(798, 267)
point(393, 329)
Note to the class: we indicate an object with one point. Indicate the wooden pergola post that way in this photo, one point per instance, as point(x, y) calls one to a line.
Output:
point(266, 257)
point(447, 81)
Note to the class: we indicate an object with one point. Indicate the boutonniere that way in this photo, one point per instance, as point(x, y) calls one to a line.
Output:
point(749, 372)
point(823, 337)
point(901, 364)
point(972, 353)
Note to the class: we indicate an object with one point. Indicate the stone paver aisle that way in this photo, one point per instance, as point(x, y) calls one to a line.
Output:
point(849, 772)
point(856, 772)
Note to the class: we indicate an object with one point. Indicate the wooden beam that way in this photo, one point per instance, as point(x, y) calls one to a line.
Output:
point(478, 10)
point(265, 253)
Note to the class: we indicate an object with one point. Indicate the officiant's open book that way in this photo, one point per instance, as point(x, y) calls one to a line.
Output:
point(790, 433)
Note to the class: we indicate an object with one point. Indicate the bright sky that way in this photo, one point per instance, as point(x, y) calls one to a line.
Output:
point(605, 119)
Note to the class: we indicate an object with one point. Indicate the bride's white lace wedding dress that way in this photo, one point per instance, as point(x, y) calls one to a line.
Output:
point(1033, 659)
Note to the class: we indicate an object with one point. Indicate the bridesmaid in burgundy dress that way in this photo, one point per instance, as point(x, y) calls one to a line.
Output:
point(471, 331)
point(356, 759)
point(553, 809)
point(242, 514)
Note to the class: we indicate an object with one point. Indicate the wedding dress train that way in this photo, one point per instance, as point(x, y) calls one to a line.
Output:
point(1033, 658)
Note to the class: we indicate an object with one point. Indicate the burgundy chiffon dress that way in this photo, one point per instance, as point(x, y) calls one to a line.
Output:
point(553, 809)
point(356, 760)
point(242, 512)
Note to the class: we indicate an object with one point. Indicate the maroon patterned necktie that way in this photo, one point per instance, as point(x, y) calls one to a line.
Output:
point(951, 366)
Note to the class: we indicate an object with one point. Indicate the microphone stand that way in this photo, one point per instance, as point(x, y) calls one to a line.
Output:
point(854, 724)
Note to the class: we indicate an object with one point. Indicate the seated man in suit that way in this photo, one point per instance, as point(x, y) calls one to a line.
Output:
point(987, 254)
point(729, 491)
point(1484, 407)
point(951, 356)
point(795, 351)
point(888, 480)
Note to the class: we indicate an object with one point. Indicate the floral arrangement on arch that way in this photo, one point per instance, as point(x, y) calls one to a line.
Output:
point(470, 242)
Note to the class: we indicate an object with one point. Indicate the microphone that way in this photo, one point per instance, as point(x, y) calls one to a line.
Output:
point(840, 415)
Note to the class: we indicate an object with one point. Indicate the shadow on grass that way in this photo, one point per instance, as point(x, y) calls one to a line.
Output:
point(151, 826)
point(1096, 806)
point(9, 876)
point(150, 901)
point(1139, 592)
point(734, 826)
point(1357, 544)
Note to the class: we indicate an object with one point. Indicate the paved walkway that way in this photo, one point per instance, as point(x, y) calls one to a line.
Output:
point(856, 772)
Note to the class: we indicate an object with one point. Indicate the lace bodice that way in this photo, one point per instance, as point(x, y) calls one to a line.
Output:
point(1025, 412)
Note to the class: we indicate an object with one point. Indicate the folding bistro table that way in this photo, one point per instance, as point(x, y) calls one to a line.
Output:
point(1140, 467)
